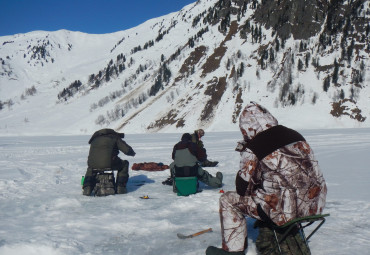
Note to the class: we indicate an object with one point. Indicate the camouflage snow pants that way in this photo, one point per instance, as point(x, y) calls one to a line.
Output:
point(233, 209)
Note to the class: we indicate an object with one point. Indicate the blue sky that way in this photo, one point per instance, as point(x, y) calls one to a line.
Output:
point(89, 16)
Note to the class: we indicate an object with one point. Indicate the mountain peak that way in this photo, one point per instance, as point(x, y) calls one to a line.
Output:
point(307, 61)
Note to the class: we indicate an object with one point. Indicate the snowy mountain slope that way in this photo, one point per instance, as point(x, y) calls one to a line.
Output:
point(194, 68)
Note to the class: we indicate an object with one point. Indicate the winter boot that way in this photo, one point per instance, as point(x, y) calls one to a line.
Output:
point(220, 177)
point(87, 191)
point(168, 181)
point(121, 190)
point(208, 163)
point(211, 250)
point(121, 183)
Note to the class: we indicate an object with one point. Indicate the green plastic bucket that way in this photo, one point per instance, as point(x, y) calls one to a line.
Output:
point(186, 185)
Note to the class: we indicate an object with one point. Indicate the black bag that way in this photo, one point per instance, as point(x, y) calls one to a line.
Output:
point(186, 171)
point(105, 184)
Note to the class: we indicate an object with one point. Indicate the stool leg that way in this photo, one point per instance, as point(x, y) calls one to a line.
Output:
point(302, 233)
point(277, 242)
point(286, 233)
point(317, 228)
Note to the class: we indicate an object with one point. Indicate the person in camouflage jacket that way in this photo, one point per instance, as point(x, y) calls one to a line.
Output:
point(279, 179)
point(105, 145)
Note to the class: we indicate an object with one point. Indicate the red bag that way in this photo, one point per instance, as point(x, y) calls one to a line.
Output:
point(149, 166)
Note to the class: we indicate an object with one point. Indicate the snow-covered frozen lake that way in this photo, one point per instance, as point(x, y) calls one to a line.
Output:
point(42, 210)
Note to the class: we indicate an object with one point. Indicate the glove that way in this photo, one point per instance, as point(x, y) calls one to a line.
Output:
point(241, 185)
point(131, 153)
point(241, 145)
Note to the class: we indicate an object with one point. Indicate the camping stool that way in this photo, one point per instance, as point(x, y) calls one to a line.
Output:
point(101, 170)
point(105, 182)
point(186, 185)
point(299, 223)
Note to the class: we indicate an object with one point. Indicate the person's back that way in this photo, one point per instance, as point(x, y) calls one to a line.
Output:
point(105, 145)
point(292, 175)
point(186, 156)
point(101, 150)
point(278, 180)
point(287, 183)
point(185, 152)
point(183, 157)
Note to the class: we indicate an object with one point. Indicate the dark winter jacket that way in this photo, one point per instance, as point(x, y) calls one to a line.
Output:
point(186, 153)
point(278, 168)
point(195, 139)
point(105, 145)
point(201, 150)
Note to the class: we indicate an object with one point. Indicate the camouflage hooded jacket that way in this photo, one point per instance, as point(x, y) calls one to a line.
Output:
point(285, 184)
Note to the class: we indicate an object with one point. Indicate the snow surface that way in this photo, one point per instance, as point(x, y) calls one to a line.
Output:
point(43, 211)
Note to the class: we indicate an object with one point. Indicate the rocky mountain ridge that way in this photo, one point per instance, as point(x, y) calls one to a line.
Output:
point(307, 61)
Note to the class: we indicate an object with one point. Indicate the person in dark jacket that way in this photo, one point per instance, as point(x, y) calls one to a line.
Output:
point(105, 145)
point(186, 156)
point(196, 138)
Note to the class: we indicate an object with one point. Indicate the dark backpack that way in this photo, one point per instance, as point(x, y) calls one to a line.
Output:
point(105, 184)
point(186, 171)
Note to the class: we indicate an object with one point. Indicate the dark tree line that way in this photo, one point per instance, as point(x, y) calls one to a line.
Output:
point(163, 77)
point(70, 90)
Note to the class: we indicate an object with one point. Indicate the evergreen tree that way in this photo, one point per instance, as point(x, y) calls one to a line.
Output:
point(350, 50)
point(107, 74)
point(156, 87)
point(228, 63)
point(300, 64)
point(272, 55)
point(326, 84)
point(336, 71)
point(307, 59)
point(191, 42)
point(91, 78)
point(166, 73)
point(341, 95)
point(277, 44)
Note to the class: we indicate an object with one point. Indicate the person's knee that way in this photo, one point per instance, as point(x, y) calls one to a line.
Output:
point(226, 198)
point(203, 175)
point(123, 167)
point(125, 163)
